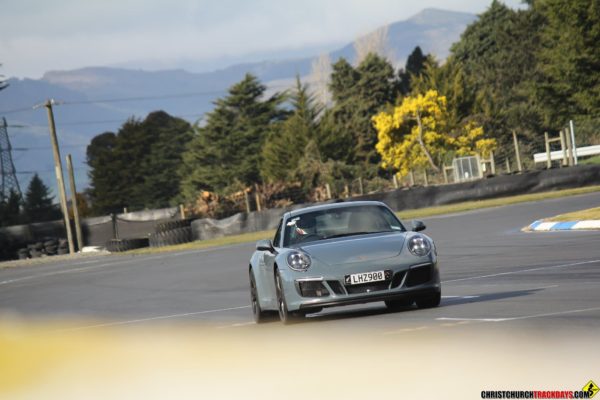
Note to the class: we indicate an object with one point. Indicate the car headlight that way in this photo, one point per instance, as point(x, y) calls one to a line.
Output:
point(298, 261)
point(419, 246)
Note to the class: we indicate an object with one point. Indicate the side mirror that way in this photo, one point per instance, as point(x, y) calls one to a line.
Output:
point(265, 245)
point(418, 226)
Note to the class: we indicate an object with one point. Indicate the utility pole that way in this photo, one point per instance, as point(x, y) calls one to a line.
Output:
point(74, 203)
point(59, 174)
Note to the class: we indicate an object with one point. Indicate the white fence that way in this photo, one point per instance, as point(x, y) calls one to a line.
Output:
point(559, 154)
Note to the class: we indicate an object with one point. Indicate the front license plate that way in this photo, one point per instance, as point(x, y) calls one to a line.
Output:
point(365, 277)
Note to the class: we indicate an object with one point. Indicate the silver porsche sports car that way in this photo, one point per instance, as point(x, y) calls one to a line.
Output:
point(339, 254)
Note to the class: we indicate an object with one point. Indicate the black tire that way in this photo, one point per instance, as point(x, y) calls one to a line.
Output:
point(429, 301)
point(258, 314)
point(171, 237)
point(285, 316)
point(50, 243)
point(396, 305)
point(38, 246)
point(120, 245)
point(35, 253)
point(171, 225)
point(23, 254)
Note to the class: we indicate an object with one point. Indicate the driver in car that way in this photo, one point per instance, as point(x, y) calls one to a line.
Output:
point(307, 225)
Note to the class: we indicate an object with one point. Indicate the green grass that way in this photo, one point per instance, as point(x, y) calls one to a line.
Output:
point(405, 215)
point(583, 215)
point(591, 160)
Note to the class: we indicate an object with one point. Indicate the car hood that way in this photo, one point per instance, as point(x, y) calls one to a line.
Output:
point(355, 249)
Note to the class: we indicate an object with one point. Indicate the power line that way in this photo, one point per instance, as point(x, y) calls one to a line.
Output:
point(106, 121)
point(141, 98)
point(33, 172)
point(17, 110)
point(137, 98)
point(46, 147)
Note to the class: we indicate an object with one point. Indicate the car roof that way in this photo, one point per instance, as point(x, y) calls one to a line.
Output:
point(331, 206)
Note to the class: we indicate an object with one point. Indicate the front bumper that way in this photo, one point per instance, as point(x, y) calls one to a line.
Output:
point(406, 282)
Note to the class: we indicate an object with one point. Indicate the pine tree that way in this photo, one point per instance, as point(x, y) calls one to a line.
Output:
point(226, 151)
point(104, 174)
point(161, 165)
point(137, 168)
point(10, 210)
point(415, 64)
point(38, 205)
point(343, 80)
point(359, 93)
point(287, 142)
point(568, 60)
point(497, 54)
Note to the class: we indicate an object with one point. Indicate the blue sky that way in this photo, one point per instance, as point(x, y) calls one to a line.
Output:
point(40, 35)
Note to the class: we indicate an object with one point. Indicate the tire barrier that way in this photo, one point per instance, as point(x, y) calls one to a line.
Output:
point(419, 197)
point(171, 225)
point(171, 237)
point(44, 248)
point(120, 245)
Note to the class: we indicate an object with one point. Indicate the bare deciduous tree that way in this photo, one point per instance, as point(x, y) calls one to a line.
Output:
point(375, 42)
point(319, 79)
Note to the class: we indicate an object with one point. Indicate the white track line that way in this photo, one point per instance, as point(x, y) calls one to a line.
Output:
point(524, 270)
point(140, 320)
point(518, 318)
point(69, 270)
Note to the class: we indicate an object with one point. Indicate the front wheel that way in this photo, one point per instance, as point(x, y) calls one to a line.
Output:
point(285, 316)
point(430, 301)
point(258, 314)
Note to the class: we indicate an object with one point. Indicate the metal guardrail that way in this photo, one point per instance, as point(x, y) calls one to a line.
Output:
point(559, 154)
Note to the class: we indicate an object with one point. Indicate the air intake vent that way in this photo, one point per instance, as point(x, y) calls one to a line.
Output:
point(312, 289)
point(397, 279)
point(336, 287)
point(419, 275)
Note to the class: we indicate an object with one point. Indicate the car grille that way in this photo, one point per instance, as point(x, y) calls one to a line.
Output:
point(367, 287)
point(419, 275)
point(336, 287)
point(397, 279)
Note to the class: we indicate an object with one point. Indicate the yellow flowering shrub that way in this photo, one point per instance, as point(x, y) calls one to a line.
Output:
point(416, 134)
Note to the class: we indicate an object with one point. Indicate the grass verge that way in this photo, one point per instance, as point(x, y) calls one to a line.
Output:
point(583, 215)
point(590, 161)
point(406, 214)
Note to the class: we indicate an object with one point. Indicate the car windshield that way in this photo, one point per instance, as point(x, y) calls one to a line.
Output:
point(339, 222)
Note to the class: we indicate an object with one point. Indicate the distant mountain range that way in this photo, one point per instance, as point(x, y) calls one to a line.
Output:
point(178, 92)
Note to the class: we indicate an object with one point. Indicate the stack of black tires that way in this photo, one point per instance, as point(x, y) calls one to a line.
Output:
point(47, 247)
point(119, 245)
point(169, 233)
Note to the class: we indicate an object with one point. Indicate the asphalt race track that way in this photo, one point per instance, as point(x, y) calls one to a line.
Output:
point(493, 275)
